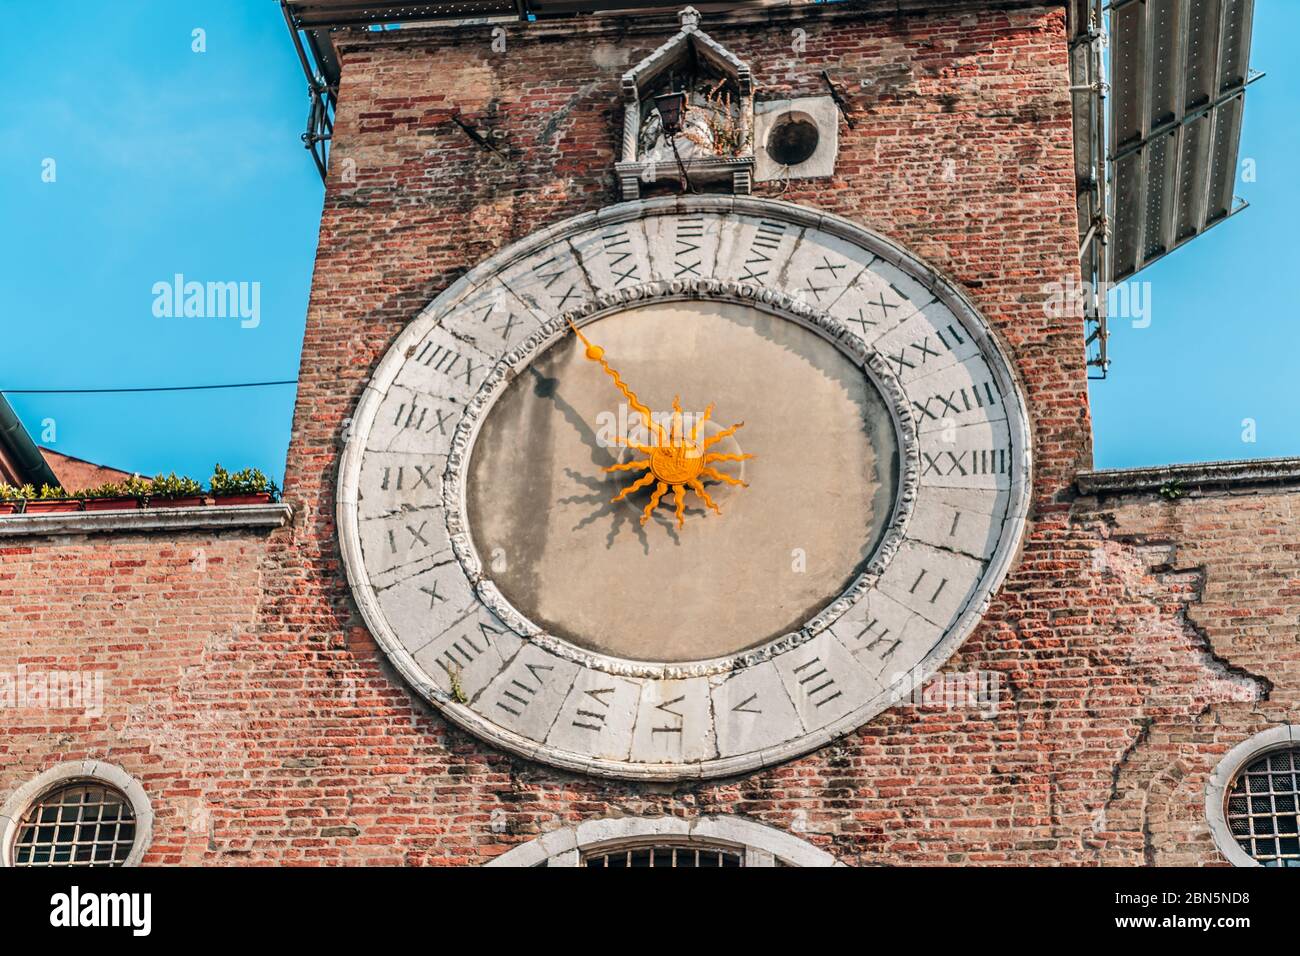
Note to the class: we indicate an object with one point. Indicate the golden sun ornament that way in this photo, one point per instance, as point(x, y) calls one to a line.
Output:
point(672, 461)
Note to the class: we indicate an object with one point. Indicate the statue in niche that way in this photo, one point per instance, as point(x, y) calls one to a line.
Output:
point(711, 127)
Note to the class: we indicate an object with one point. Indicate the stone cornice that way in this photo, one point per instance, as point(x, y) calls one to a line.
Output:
point(1201, 476)
point(204, 518)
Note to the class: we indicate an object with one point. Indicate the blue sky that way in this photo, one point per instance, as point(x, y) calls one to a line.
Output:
point(1221, 346)
point(170, 161)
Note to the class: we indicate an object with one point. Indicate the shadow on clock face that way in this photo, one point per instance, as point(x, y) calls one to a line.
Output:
point(821, 485)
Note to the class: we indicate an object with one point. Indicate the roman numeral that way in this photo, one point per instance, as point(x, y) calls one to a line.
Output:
point(827, 267)
point(417, 536)
point(925, 349)
point(412, 417)
point(878, 635)
point(861, 319)
point(687, 230)
point(395, 477)
point(520, 694)
point(981, 462)
point(570, 293)
point(463, 651)
point(589, 719)
point(434, 596)
point(958, 401)
point(767, 238)
point(618, 246)
point(816, 682)
point(744, 708)
point(507, 324)
point(551, 278)
point(666, 707)
point(444, 360)
point(917, 583)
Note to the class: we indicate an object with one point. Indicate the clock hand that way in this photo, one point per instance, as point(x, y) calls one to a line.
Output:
point(597, 354)
point(674, 461)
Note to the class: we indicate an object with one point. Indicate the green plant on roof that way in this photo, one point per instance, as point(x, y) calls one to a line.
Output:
point(172, 486)
point(109, 489)
point(250, 481)
point(52, 493)
point(137, 487)
point(11, 493)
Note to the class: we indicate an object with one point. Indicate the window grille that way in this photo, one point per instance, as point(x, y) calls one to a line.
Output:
point(79, 824)
point(1262, 811)
point(692, 856)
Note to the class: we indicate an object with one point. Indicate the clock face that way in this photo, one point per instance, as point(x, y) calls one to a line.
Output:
point(683, 488)
point(822, 481)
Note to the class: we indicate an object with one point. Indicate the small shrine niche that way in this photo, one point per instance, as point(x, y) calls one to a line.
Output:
point(715, 143)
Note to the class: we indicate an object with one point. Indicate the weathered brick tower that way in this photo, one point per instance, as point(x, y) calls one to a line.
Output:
point(451, 648)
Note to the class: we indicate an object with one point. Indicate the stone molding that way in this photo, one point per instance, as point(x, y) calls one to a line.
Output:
point(1200, 476)
point(564, 847)
point(204, 518)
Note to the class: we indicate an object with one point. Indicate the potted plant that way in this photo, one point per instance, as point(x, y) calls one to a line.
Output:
point(52, 501)
point(171, 491)
point(110, 496)
point(247, 487)
point(12, 499)
point(138, 488)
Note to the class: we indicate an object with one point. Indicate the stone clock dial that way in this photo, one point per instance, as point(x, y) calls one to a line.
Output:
point(559, 531)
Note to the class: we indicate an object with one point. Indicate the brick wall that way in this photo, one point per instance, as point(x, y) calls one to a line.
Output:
point(1224, 570)
point(267, 724)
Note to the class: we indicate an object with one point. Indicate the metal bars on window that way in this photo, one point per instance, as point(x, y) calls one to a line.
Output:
point(81, 824)
point(686, 856)
point(1262, 808)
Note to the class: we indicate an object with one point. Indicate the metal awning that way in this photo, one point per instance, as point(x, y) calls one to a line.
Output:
point(1179, 72)
point(1156, 136)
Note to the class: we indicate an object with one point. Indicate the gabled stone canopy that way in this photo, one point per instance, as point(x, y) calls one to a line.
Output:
point(638, 81)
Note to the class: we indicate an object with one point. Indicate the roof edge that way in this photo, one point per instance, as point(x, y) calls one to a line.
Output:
point(1203, 475)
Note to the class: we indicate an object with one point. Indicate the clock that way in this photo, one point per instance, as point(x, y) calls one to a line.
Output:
point(683, 487)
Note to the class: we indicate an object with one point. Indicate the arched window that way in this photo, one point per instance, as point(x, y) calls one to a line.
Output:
point(76, 814)
point(643, 842)
point(1251, 801)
